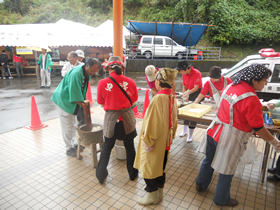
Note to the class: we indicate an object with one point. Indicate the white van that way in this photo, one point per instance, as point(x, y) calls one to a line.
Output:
point(160, 46)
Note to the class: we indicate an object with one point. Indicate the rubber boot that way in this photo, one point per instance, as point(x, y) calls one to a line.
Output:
point(160, 193)
point(189, 139)
point(149, 198)
point(185, 131)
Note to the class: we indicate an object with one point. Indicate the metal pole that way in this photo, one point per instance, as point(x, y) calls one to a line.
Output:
point(38, 72)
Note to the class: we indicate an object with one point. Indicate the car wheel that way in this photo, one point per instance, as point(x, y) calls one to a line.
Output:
point(180, 56)
point(148, 55)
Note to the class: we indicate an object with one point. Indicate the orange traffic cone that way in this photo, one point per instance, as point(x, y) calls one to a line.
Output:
point(88, 94)
point(146, 104)
point(35, 118)
point(136, 113)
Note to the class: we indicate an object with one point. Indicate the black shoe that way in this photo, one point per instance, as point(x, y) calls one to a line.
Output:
point(271, 170)
point(233, 202)
point(134, 176)
point(71, 152)
point(42, 86)
point(273, 178)
point(198, 188)
point(48, 87)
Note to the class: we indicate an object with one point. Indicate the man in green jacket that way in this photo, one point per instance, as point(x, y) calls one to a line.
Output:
point(45, 61)
point(69, 96)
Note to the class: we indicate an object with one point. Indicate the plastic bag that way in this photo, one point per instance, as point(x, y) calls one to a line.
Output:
point(249, 156)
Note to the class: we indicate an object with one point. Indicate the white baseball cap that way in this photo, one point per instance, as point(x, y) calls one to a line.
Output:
point(80, 53)
point(150, 72)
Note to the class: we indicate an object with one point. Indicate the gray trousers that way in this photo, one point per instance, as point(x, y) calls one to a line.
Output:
point(19, 69)
point(6, 68)
point(45, 74)
point(68, 124)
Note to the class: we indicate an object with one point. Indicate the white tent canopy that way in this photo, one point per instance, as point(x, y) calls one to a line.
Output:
point(61, 33)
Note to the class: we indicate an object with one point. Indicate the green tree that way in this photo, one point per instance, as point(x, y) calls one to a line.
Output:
point(18, 6)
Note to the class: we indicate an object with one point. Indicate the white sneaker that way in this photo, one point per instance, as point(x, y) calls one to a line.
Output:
point(4, 77)
point(10, 77)
point(182, 134)
point(189, 140)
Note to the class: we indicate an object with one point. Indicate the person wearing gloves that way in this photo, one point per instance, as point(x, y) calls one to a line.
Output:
point(214, 86)
point(118, 95)
point(45, 61)
point(156, 136)
point(192, 84)
point(239, 114)
point(275, 171)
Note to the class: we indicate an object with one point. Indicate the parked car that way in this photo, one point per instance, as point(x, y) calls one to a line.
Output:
point(248, 58)
point(160, 46)
point(270, 60)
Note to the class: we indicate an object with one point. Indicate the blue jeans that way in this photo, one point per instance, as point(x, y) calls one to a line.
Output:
point(222, 195)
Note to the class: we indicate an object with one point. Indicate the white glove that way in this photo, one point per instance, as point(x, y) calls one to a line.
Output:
point(148, 148)
point(186, 96)
point(276, 144)
point(270, 106)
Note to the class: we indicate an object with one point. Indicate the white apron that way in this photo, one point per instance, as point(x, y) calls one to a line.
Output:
point(232, 142)
point(217, 93)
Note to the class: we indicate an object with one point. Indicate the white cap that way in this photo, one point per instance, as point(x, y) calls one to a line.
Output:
point(150, 72)
point(80, 53)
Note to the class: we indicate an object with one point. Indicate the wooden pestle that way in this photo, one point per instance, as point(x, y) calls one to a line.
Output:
point(87, 115)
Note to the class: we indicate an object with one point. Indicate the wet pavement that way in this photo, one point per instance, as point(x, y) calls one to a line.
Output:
point(15, 97)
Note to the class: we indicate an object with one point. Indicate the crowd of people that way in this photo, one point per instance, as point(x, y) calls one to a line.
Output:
point(223, 143)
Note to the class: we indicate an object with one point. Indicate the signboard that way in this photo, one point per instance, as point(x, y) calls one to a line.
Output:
point(23, 51)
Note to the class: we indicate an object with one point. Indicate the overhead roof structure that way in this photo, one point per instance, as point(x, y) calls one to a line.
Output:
point(61, 33)
point(186, 34)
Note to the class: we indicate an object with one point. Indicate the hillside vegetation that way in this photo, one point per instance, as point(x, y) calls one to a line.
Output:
point(242, 27)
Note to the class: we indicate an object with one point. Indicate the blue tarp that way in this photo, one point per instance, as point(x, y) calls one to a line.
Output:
point(184, 34)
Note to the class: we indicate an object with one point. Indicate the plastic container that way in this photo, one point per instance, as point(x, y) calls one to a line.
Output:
point(120, 150)
point(195, 110)
point(195, 57)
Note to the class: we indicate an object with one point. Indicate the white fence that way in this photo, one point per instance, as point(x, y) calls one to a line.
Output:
point(192, 53)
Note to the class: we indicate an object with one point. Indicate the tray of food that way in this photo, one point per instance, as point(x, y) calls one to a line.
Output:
point(195, 110)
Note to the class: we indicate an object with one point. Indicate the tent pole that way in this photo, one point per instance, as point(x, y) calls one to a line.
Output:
point(38, 72)
point(154, 40)
point(202, 33)
point(191, 36)
point(172, 39)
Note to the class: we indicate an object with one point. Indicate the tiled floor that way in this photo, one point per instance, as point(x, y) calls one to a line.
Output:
point(36, 174)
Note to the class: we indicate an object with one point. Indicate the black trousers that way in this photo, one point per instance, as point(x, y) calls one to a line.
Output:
point(101, 169)
point(192, 97)
point(154, 184)
point(278, 167)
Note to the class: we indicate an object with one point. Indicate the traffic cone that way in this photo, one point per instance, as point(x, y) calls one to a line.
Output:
point(136, 113)
point(146, 102)
point(35, 118)
point(88, 94)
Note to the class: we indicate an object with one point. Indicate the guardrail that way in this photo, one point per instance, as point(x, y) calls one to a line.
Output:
point(192, 53)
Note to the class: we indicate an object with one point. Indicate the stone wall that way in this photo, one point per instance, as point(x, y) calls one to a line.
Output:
point(139, 65)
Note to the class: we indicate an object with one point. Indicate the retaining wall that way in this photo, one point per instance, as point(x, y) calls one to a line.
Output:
point(139, 65)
